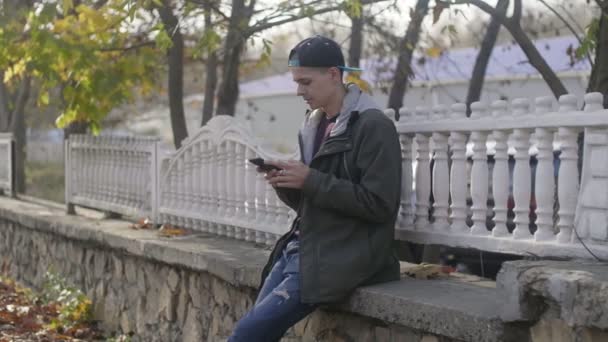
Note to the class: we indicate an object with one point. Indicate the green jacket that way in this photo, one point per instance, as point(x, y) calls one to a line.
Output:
point(348, 205)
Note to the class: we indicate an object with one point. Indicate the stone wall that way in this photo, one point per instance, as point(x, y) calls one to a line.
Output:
point(159, 300)
point(194, 288)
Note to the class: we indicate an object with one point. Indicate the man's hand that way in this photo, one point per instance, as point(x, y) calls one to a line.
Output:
point(292, 175)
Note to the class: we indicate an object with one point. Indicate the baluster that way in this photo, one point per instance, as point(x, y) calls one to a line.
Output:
point(208, 184)
point(240, 180)
point(125, 174)
point(521, 173)
point(479, 174)
point(215, 188)
point(101, 155)
point(187, 179)
point(406, 214)
point(500, 173)
point(250, 190)
point(93, 157)
point(250, 195)
point(221, 182)
point(261, 215)
point(180, 183)
point(567, 183)
point(271, 209)
point(458, 173)
point(206, 179)
point(230, 187)
point(423, 181)
point(114, 169)
point(441, 180)
point(197, 202)
point(545, 181)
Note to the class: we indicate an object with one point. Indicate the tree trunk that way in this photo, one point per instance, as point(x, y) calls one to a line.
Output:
point(176, 75)
point(19, 134)
point(485, 51)
point(598, 82)
point(407, 46)
point(210, 78)
point(537, 61)
point(228, 93)
point(356, 41)
point(513, 24)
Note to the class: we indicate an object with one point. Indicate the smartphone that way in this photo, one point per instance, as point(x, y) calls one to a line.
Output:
point(259, 162)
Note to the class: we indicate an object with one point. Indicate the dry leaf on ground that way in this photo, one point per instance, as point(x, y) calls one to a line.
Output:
point(142, 224)
point(428, 271)
point(167, 230)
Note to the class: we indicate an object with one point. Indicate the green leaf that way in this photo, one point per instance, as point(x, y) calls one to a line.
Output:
point(67, 6)
point(44, 99)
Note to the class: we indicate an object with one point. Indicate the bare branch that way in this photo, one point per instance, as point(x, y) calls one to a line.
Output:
point(503, 19)
point(128, 48)
point(266, 25)
point(603, 5)
point(516, 11)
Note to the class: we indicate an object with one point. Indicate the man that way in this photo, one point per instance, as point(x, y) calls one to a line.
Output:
point(346, 192)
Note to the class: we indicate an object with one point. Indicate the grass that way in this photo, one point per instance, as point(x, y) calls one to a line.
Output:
point(45, 180)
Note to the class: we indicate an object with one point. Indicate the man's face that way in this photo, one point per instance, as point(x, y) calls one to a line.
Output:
point(316, 85)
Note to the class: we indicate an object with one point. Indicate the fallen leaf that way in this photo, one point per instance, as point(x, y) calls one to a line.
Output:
point(428, 271)
point(142, 224)
point(167, 230)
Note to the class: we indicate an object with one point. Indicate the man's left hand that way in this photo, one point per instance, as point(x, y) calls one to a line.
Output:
point(292, 175)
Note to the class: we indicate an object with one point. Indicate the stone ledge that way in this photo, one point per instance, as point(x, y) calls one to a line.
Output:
point(575, 292)
point(444, 307)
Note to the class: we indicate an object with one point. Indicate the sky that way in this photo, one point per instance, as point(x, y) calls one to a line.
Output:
point(465, 20)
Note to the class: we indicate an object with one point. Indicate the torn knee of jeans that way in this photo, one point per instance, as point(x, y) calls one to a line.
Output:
point(281, 293)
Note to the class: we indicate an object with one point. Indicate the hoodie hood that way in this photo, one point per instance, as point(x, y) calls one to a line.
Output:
point(355, 100)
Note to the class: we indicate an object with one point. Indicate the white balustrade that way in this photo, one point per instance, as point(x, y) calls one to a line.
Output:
point(6, 163)
point(209, 186)
point(113, 174)
point(515, 136)
point(218, 191)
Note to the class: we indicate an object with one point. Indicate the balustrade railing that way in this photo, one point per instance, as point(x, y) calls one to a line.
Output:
point(6, 164)
point(113, 174)
point(209, 186)
point(477, 216)
point(489, 181)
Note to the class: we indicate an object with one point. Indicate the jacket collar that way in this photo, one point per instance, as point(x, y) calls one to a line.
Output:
point(354, 101)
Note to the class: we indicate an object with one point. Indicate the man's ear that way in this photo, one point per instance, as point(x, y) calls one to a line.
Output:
point(335, 74)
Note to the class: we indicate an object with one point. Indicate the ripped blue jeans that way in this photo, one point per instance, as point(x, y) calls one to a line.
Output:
point(278, 305)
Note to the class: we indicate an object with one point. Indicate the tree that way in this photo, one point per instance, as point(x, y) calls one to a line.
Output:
point(15, 91)
point(597, 37)
point(175, 57)
point(211, 66)
point(513, 25)
point(483, 57)
point(78, 51)
point(407, 45)
point(240, 30)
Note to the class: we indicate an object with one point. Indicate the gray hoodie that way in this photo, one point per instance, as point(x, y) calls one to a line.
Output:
point(354, 101)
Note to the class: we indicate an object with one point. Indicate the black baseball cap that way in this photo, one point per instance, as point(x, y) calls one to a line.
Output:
point(318, 51)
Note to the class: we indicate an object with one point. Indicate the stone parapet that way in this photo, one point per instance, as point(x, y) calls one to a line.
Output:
point(195, 288)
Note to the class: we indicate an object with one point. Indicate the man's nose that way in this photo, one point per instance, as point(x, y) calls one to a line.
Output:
point(300, 91)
